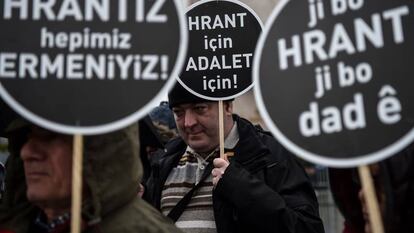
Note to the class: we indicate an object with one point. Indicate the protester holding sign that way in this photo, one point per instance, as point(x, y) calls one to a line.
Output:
point(155, 130)
point(84, 68)
point(38, 184)
point(260, 188)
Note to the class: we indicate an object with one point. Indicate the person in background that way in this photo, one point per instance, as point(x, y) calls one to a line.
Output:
point(260, 187)
point(394, 184)
point(38, 183)
point(155, 130)
point(6, 117)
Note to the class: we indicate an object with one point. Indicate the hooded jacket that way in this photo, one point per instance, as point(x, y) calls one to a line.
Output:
point(111, 176)
point(264, 189)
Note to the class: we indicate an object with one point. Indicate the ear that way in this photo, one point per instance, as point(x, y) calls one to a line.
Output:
point(228, 108)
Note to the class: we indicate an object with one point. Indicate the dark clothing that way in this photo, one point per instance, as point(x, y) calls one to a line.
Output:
point(264, 189)
point(395, 182)
point(399, 173)
point(6, 116)
point(345, 194)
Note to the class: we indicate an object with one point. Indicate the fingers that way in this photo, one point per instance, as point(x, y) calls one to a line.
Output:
point(218, 163)
point(220, 166)
point(365, 213)
point(141, 190)
point(367, 228)
point(217, 174)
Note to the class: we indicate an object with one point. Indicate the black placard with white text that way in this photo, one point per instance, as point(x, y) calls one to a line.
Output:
point(222, 39)
point(335, 86)
point(89, 66)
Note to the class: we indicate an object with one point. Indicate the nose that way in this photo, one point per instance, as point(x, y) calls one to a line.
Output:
point(189, 119)
point(31, 150)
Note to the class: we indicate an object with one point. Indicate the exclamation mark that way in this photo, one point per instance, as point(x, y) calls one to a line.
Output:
point(164, 67)
point(235, 80)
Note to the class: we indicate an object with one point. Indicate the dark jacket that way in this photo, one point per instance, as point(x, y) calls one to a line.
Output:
point(264, 188)
point(111, 175)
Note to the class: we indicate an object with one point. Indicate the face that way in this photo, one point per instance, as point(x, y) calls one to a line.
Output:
point(47, 159)
point(198, 124)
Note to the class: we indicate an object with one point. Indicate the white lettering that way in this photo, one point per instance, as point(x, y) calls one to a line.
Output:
point(7, 65)
point(49, 67)
point(70, 8)
point(153, 14)
point(314, 41)
point(147, 67)
point(99, 7)
point(353, 114)
point(27, 64)
point(395, 16)
point(223, 62)
point(317, 47)
point(46, 7)
point(206, 22)
point(285, 53)
point(21, 5)
point(362, 30)
point(340, 41)
point(74, 63)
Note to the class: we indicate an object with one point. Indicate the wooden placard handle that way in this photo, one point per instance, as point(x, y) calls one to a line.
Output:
point(371, 199)
point(77, 184)
point(221, 128)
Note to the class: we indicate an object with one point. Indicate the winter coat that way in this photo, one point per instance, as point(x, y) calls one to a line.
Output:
point(264, 189)
point(112, 173)
point(395, 182)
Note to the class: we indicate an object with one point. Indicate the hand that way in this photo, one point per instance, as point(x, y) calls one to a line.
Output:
point(365, 213)
point(141, 190)
point(220, 166)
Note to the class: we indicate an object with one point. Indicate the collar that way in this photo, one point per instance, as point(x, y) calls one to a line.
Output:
point(55, 225)
point(251, 143)
point(233, 138)
point(229, 143)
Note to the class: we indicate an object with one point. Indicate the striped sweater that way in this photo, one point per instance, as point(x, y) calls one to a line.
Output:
point(198, 217)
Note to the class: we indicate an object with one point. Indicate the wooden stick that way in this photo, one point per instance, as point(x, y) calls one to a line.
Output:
point(371, 199)
point(221, 128)
point(77, 183)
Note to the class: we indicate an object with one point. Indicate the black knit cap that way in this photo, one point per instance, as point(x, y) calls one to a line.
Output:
point(179, 95)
